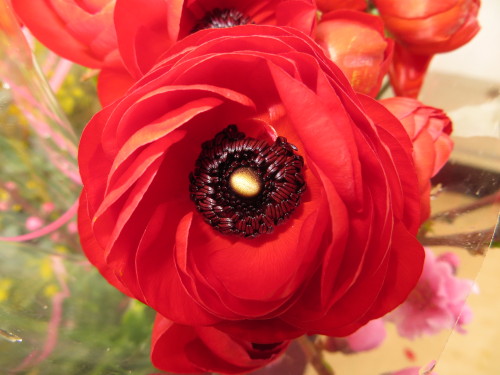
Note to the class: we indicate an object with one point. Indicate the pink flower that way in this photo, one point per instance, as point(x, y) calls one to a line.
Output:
point(72, 227)
point(48, 207)
point(368, 337)
point(437, 302)
point(33, 223)
point(411, 371)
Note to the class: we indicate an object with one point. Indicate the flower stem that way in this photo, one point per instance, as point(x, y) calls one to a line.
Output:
point(475, 242)
point(314, 356)
point(386, 86)
point(451, 215)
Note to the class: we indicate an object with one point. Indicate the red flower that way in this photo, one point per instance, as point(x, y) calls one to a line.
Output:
point(429, 128)
point(147, 29)
point(82, 31)
point(329, 5)
point(422, 29)
point(428, 27)
point(86, 31)
point(355, 42)
point(300, 217)
point(184, 349)
point(78, 30)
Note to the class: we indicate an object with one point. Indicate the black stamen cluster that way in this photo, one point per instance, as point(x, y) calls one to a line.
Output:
point(277, 166)
point(221, 18)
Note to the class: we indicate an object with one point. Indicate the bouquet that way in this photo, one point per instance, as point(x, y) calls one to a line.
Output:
point(256, 174)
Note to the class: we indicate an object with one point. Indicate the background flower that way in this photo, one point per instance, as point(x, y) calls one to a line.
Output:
point(411, 371)
point(147, 29)
point(355, 41)
point(437, 302)
point(329, 5)
point(199, 349)
point(368, 337)
point(429, 129)
point(422, 29)
point(80, 31)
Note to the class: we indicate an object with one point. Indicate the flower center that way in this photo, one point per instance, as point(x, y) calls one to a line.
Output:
point(245, 186)
point(220, 18)
point(245, 182)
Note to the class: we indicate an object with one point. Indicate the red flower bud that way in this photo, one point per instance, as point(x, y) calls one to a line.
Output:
point(429, 129)
point(355, 41)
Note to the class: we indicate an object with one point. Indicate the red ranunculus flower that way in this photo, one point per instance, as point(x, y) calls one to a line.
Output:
point(355, 41)
point(428, 27)
point(422, 29)
point(430, 129)
point(243, 185)
point(147, 29)
point(329, 5)
point(82, 31)
point(198, 349)
point(86, 31)
point(78, 30)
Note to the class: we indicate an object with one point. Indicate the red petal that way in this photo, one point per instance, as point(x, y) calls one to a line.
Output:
point(94, 252)
point(168, 346)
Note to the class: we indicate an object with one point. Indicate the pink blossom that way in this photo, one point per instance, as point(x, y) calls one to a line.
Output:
point(411, 371)
point(10, 185)
point(33, 223)
point(368, 337)
point(437, 302)
point(72, 227)
point(48, 207)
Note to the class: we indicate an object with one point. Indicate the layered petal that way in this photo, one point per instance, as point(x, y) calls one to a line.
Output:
point(198, 349)
point(429, 129)
point(81, 31)
point(324, 245)
point(355, 41)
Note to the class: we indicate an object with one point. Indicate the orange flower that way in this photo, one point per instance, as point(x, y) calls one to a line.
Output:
point(355, 42)
point(329, 5)
point(422, 29)
point(427, 26)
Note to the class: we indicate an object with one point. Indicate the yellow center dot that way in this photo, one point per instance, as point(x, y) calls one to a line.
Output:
point(245, 182)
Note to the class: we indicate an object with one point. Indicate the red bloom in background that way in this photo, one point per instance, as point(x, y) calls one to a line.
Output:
point(80, 30)
point(243, 185)
point(198, 349)
point(329, 5)
point(355, 41)
point(147, 29)
point(101, 33)
point(422, 29)
point(430, 129)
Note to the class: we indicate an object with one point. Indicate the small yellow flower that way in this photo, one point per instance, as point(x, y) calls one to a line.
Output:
point(5, 285)
point(46, 269)
point(50, 290)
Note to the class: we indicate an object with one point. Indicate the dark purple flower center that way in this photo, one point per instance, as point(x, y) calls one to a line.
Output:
point(245, 186)
point(220, 18)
